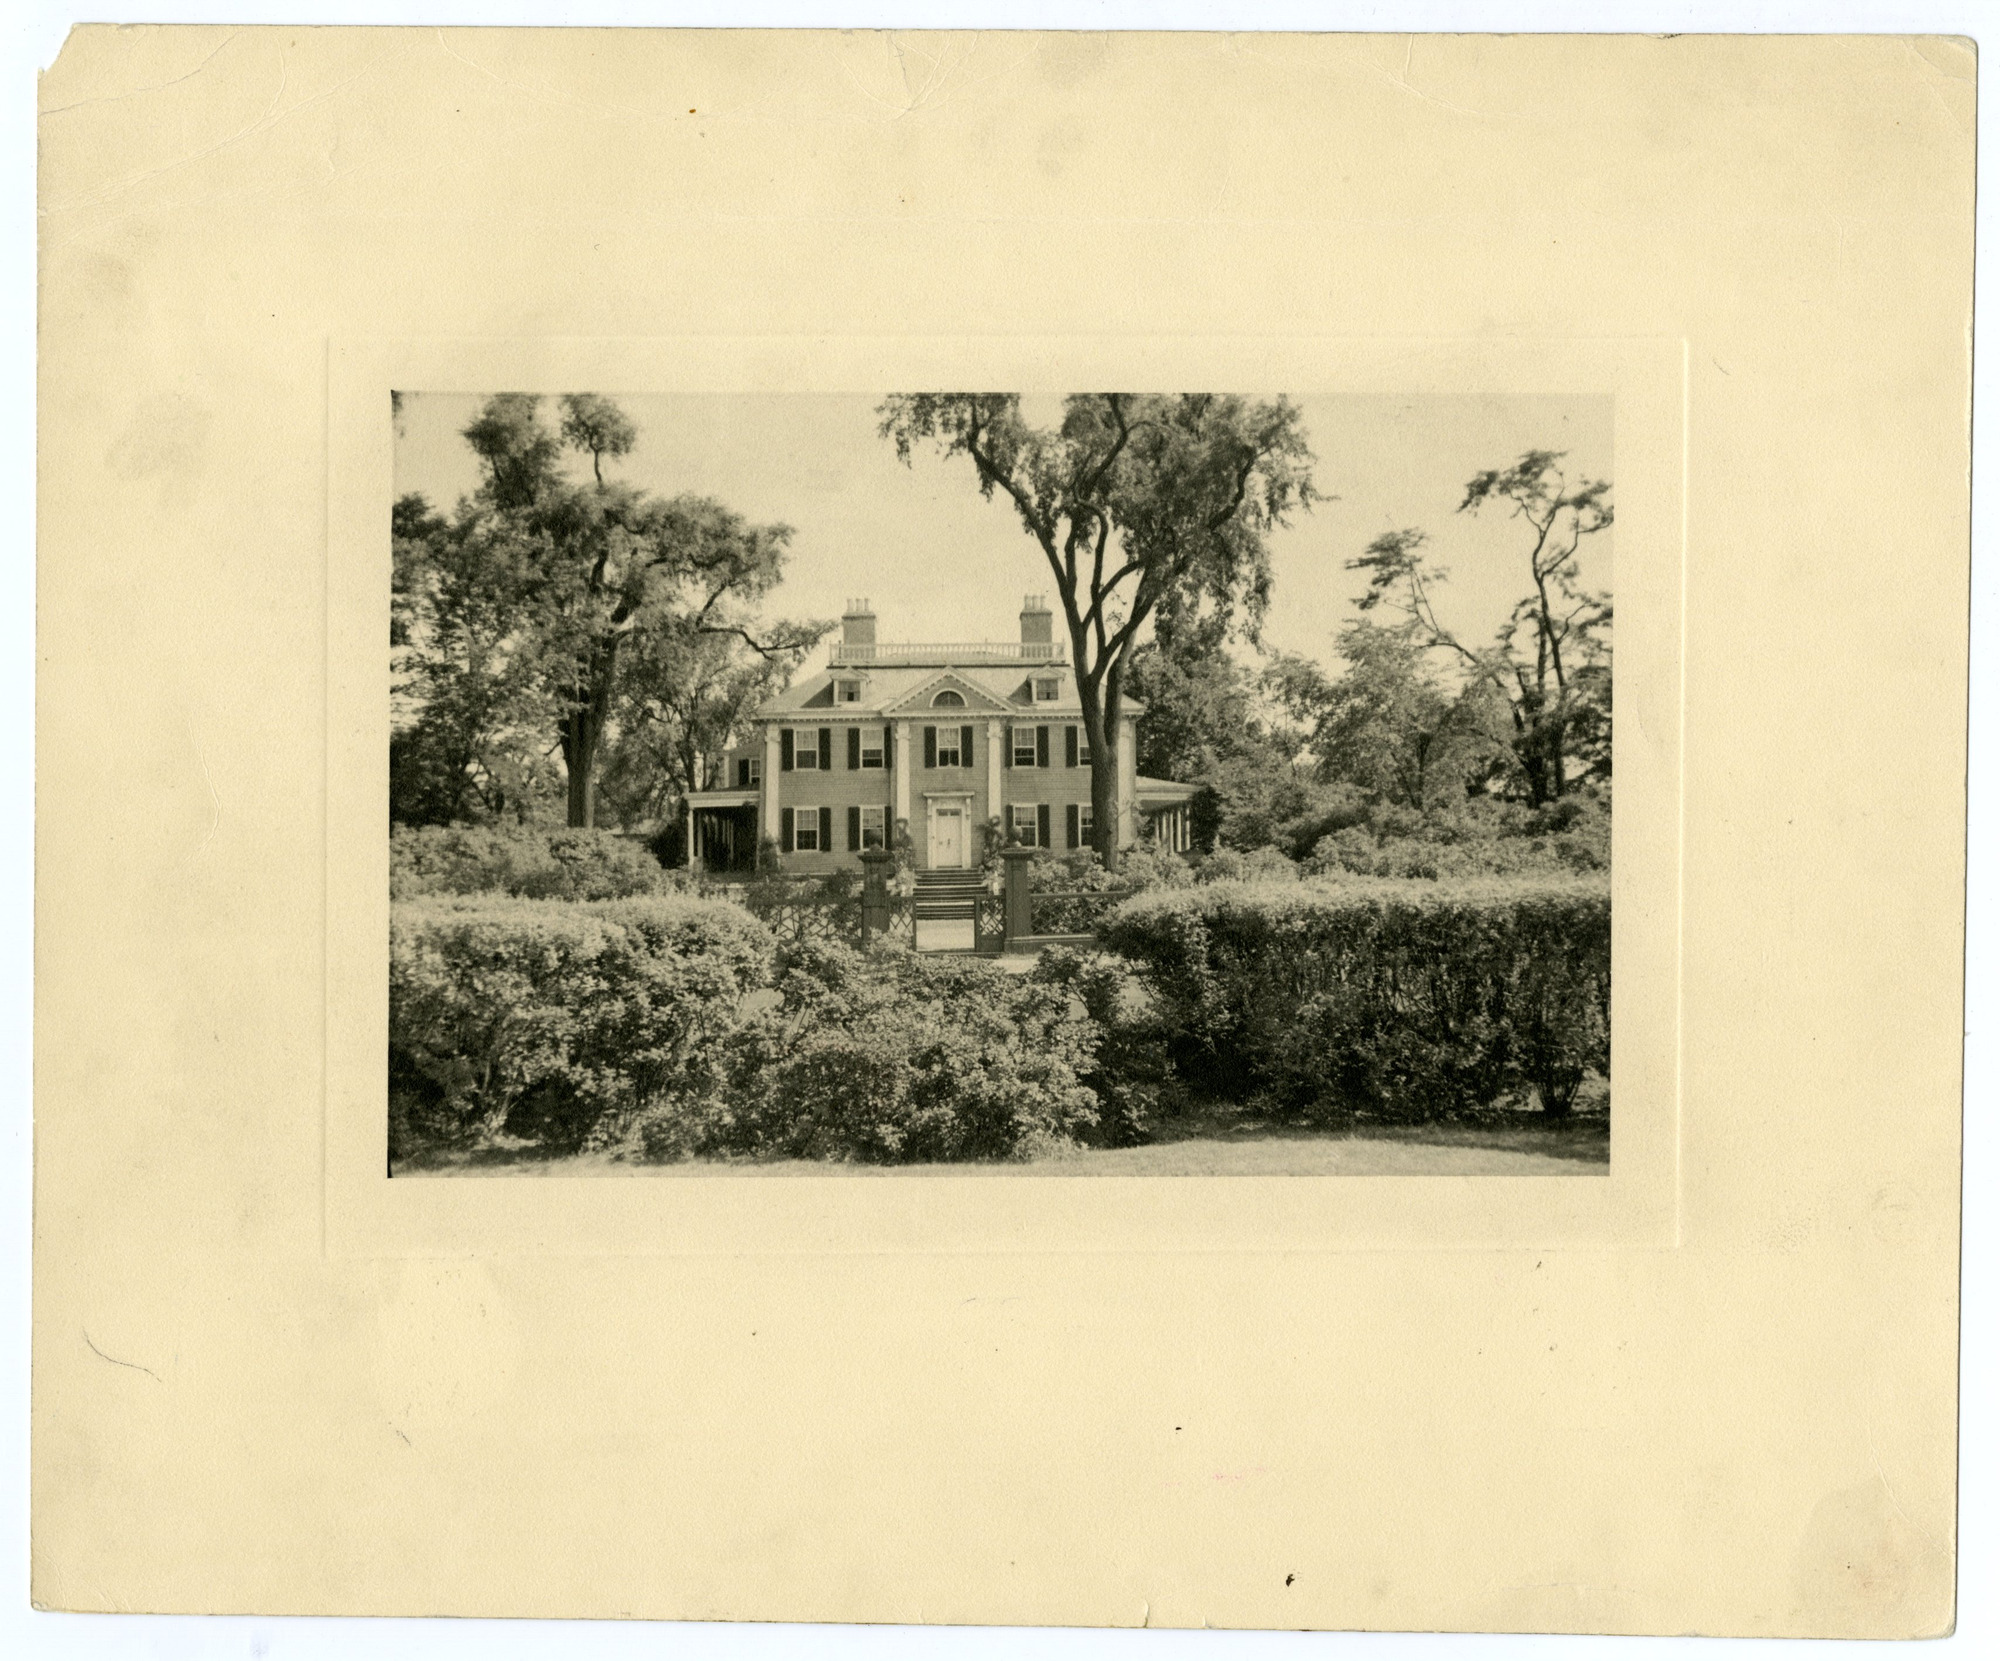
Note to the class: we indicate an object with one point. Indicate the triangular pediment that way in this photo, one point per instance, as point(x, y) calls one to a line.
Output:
point(918, 701)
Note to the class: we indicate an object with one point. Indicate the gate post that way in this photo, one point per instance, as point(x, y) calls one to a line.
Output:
point(1020, 911)
point(875, 865)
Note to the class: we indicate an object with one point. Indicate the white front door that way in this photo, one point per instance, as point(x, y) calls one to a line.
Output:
point(947, 838)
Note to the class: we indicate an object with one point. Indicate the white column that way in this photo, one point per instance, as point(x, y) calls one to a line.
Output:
point(1128, 782)
point(996, 736)
point(770, 784)
point(902, 775)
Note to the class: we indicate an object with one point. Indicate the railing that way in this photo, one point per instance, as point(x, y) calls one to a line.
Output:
point(1070, 913)
point(939, 653)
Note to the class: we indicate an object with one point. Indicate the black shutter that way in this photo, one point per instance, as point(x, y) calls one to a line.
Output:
point(826, 749)
point(785, 751)
point(785, 830)
point(1069, 756)
point(930, 746)
point(1070, 813)
point(1009, 732)
point(888, 746)
point(854, 830)
point(1041, 746)
point(826, 830)
point(965, 746)
point(1042, 825)
point(853, 748)
point(742, 772)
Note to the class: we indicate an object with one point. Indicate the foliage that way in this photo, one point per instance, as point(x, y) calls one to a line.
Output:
point(893, 1057)
point(1398, 1000)
point(803, 909)
point(558, 1021)
point(1477, 837)
point(1550, 663)
point(575, 610)
point(1206, 724)
point(529, 862)
point(466, 716)
point(1148, 865)
point(1132, 1074)
point(1144, 506)
point(1388, 725)
point(1075, 878)
point(1258, 865)
point(685, 698)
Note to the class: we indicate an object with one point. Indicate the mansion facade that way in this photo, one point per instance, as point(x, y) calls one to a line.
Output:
point(941, 738)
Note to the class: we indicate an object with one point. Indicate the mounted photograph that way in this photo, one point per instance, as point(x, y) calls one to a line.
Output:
point(1121, 784)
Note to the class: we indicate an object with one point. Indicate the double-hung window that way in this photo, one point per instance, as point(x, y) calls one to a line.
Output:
point(874, 827)
point(1046, 691)
point(948, 747)
point(805, 748)
point(805, 831)
point(1024, 746)
point(871, 746)
point(1022, 820)
point(1086, 823)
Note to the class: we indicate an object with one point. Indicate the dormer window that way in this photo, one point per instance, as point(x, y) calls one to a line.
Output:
point(948, 699)
point(1046, 691)
point(847, 692)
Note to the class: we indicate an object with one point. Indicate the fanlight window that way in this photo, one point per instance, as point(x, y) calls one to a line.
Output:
point(948, 699)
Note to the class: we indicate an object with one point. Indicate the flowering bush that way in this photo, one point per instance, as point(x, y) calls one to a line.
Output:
point(527, 862)
point(558, 1022)
point(893, 1057)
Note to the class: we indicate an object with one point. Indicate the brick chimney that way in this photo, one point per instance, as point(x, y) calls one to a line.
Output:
point(857, 624)
point(1037, 625)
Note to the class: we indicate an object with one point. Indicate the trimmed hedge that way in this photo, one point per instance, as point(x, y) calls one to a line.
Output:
point(527, 862)
point(558, 1021)
point(1400, 1000)
point(1131, 1074)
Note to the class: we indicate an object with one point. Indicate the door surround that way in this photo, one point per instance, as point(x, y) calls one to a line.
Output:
point(962, 801)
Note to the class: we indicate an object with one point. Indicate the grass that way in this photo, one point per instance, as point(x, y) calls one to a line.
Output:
point(1218, 1142)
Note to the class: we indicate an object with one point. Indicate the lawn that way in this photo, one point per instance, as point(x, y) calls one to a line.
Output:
point(1209, 1146)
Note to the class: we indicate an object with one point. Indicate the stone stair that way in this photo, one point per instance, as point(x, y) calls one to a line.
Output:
point(948, 894)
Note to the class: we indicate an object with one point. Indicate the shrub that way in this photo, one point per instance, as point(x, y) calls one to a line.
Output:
point(1148, 865)
point(526, 862)
point(893, 1057)
point(1404, 1000)
point(1132, 1070)
point(555, 1021)
point(1258, 865)
point(1482, 839)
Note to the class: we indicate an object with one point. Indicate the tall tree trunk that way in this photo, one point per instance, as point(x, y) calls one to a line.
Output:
point(1100, 724)
point(581, 732)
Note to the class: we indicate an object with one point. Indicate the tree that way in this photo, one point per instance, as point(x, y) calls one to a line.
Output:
point(1387, 725)
point(588, 573)
point(1144, 506)
point(1556, 683)
point(466, 718)
point(686, 698)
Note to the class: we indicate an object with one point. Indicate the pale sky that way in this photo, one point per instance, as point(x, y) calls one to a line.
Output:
point(941, 564)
